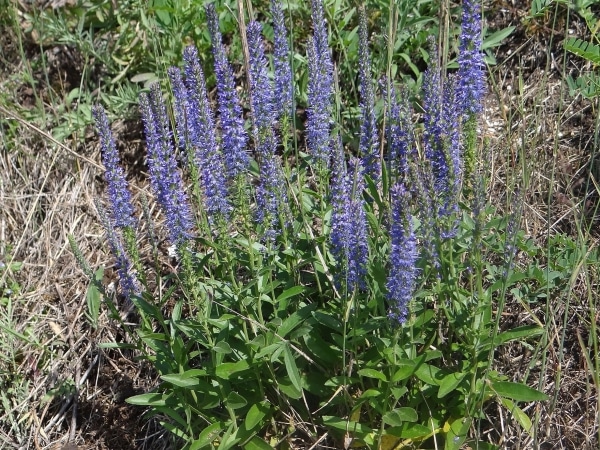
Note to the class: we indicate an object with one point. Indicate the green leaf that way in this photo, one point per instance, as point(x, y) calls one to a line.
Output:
point(346, 425)
point(256, 414)
point(398, 416)
point(272, 351)
point(370, 393)
point(456, 433)
point(428, 373)
point(149, 399)
point(372, 373)
point(398, 392)
point(236, 401)
point(329, 321)
point(518, 414)
point(144, 77)
point(177, 431)
point(321, 349)
point(407, 368)
point(587, 50)
point(288, 388)
point(292, 369)
point(222, 347)
point(539, 7)
point(495, 39)
point(173, 415)
point(226, 370)
point(257, 443)
point(449, 383)
point(410, 431)
point(525, 331)
point(517, 391)
point(180, 380)
point(291, 292)
point(207, 436)
point(295, 319)
point(94, 297)
point(229, 439)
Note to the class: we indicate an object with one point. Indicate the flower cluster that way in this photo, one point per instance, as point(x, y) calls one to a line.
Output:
point(201, 130)
point(261, 88)
point(165, 176)
point(130, 286)
point(349, 240)
point(400, 133)
point(271, 191)
point(118, 195)
point(441, 137)
point(403, 256)
point(368, 146)
point(234, 135)
point(281, 63)
point(471, 76)
point(431, 185)
point(320, 88)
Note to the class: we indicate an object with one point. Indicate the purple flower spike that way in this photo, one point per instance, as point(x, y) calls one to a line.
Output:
point(165, 176)
point(271, 196)
point(359, 250)
point(128, 281)
point(320, 36)
point(281, 63)
point(122, 211)
point(442, 139)
point(349, 243)
point(402, 278)
point(320, 88)
point(452, 145)
point(369, 139)
point(261, 88)
point(471, 76)
point(235, 138)
point(208, 158)
point(433, 127)
point(180, 107)
point(400, 133)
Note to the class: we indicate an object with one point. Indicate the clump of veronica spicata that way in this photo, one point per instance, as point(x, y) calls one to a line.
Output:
point(368, 146)
point(403, 272)
point(234, 136)
point(165, 176)
point(122, 211)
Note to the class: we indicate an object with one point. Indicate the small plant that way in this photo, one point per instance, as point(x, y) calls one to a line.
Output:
point(317, 292)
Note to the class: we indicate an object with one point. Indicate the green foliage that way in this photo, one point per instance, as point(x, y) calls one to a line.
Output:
point(264, 341)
